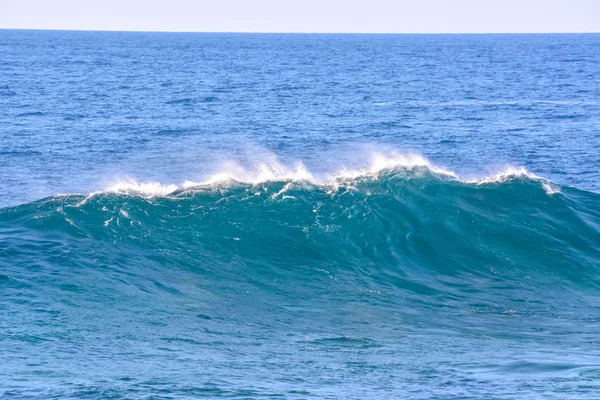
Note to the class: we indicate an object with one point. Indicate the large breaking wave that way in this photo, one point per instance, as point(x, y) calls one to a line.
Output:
point(513, 243)
point(343, 264)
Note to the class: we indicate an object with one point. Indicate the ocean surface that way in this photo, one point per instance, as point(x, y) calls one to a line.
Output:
point(299, 216)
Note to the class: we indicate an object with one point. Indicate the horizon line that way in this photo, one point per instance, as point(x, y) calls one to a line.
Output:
point(302, 32)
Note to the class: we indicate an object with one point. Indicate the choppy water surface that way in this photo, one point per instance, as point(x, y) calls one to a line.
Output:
point(302, 216)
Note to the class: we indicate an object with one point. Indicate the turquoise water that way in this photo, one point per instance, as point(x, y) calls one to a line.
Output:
point(299, 216)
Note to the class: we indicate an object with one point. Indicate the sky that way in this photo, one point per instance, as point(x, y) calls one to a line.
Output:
point(311, 16)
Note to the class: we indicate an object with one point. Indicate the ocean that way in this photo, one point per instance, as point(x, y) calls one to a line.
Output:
point(299, 216)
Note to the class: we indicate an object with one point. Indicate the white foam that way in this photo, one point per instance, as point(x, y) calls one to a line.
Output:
point(550, 188)
point(260, 172)
point(270, 169)
point(383, 162)
point(150, 189)
point(504, 175)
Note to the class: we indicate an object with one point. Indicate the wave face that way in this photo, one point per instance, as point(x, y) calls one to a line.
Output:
point(394, 282)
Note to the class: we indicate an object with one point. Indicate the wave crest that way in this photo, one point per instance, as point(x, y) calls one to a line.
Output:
point(273, 170)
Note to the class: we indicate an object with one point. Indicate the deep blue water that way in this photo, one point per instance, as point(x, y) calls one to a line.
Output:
point(301, 216)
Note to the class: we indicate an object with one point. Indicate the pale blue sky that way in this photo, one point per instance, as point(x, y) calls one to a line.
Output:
point(385, 16)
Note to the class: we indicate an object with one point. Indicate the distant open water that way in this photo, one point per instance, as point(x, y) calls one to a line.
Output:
point(299, 216)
